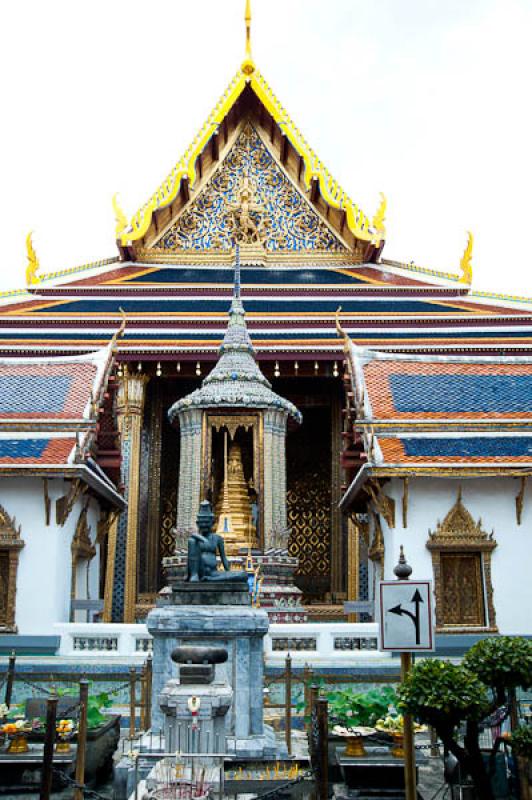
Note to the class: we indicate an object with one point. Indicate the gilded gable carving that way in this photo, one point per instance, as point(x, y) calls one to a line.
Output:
point(249, 199)
point(460, 529)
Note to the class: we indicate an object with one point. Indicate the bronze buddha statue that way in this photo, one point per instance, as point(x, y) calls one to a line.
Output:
point(203, 547)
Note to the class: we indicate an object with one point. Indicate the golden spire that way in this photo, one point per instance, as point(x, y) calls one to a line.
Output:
point(33, 262)
point(248, 67)
point(120, 217)
point(466, 267)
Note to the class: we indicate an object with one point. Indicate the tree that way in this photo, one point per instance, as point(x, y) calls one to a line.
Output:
point(504, 663)
point(444, 695)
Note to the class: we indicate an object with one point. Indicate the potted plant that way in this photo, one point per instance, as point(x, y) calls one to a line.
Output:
point(352, 715)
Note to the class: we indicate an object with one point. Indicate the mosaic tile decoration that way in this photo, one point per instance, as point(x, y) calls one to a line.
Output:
point(182, 331)
point(267, 277)
point(298, 304)
point(36, 451)
point(119, 578)
point(45, 390)
point(461, 449)
point(421, 390)
point(457, 393)
point(479, 447)
point(284, 219)
point(22, 448)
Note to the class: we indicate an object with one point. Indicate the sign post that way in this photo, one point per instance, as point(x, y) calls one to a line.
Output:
point(405, 626)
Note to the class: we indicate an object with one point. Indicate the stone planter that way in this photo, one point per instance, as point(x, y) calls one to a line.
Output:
point(101, 745)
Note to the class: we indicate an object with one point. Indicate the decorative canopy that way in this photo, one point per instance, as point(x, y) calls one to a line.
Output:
point(236, 381)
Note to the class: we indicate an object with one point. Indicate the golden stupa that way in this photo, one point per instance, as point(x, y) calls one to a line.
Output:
point(233, 508)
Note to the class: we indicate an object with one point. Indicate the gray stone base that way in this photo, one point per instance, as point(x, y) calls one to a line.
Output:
point(240, 629)
point(265, 747)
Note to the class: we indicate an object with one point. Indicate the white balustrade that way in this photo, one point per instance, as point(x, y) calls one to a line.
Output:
point(320, 644)
point(103, 641)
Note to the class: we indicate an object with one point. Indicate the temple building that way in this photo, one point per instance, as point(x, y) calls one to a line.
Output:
point(347, 404)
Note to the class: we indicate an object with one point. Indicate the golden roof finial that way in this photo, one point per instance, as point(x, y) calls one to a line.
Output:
point(466, 267)
point(339, 330)
point(120, 217)
point(380, 215)
point(33, 262)
point(248, 66)
point(120, 332)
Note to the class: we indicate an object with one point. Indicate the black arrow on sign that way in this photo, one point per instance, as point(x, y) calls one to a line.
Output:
point(399, 610)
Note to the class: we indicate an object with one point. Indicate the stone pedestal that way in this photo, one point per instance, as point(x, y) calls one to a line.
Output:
point(207, 733)
point(200, 618)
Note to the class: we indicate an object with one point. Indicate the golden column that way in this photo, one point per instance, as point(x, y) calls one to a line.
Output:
point(123, 537)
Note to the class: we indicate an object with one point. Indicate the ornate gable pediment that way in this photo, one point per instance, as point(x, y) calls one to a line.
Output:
point(249, 96)
point(9, 533)
point(250, 200)
point(459, 530)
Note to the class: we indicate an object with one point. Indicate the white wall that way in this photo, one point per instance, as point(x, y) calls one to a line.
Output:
point(44, 573)
point(493, 501)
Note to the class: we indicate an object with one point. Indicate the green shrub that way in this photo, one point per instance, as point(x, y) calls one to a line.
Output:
point(522, 741)
point(502, 662)
point(437, 692)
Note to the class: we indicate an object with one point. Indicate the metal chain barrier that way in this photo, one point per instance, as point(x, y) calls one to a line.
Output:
point(34, 685)
point(119, 689)
point(75, 785)
point(67, 711)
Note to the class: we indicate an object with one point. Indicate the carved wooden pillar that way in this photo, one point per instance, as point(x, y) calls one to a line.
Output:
point(337, 555)
point(123, 541)
point(110, 570)
point(353, 564)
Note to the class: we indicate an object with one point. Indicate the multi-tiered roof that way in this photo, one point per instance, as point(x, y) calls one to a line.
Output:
point(314, 249)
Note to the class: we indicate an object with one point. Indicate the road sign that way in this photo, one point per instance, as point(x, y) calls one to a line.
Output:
point(405, 616)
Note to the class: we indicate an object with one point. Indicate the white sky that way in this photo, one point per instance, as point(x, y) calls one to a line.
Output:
point(426, 100)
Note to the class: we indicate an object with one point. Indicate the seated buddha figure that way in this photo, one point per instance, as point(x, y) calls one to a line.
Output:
point(203, 547)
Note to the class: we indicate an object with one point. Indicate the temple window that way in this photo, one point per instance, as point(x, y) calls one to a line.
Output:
point(461, 561)
point(10, 545)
